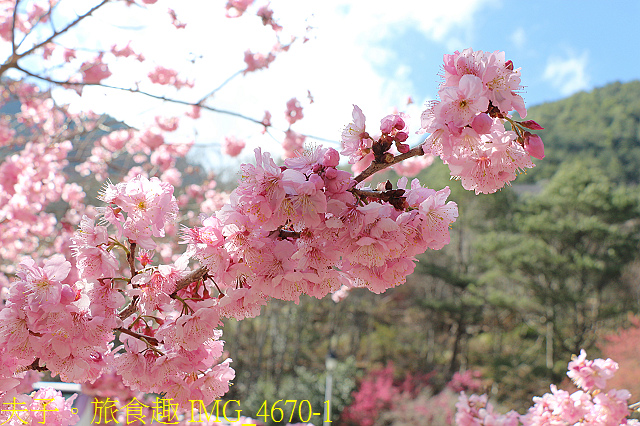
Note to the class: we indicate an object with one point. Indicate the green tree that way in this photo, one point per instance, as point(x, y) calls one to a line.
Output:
point(561, 263)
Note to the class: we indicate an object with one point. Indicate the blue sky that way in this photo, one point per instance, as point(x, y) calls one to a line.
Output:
point(562, 46)
point(373, 53)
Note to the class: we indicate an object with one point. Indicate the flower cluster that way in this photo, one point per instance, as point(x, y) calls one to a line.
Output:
point(592, 404)
point(167, 336)
point(466, 125)
point(308, 228)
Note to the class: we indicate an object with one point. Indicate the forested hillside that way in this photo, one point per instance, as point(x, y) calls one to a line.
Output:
point(603, 123)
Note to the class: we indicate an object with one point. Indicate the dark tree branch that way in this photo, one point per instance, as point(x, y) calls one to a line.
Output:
point(376, 167)
point(193, 276)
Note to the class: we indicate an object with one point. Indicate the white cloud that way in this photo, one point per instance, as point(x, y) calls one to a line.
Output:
point(568, 74)
point(519, 37)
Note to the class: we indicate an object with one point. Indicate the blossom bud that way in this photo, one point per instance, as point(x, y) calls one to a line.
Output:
point(482, 124)
point(533, 145)
point(401, 136)
point(331, 173)
point(67, 295)
point(403, 148)
point(531, 124)
point(331, 158)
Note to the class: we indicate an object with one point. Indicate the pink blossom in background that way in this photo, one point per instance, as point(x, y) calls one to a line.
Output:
point(96, 71)
point(257, 61)
point(293, 143)
point(125, 52)
point(232, 146)
point(238, 7)
point(414, 165)
point(294, 111)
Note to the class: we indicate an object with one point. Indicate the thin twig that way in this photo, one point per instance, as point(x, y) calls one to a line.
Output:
point(151, 340)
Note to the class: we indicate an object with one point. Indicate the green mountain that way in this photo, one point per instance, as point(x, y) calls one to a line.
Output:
point(603, 123)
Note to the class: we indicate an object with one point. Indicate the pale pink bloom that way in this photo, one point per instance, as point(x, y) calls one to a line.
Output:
point(125, 52)
point(362, 164)
point(165, 76)
point(162, 75)
point(306, 160)
point(294, 111)
point(232, 146)
point(215, 382)
point(194, 113)
point(292, 143)
point(503, 82)
point(44, 285)
point(172, 176)
point(341, 294)
point(240, 6)
point(413, 165)
point(241, 303)
point(437, 216)
point(96, 71)
point(356, 143)
point(95, 262)
point(266, 120)
point(192, 330)
point(459, 105)
point(69, 54)
point(266, 14)
point(257, 61)
point(163, 158)
point(152, 138)
point(116, 140)
point(175, 21)
point(73, 194)
point(459, 64)
point(168, 124)
point(51, 408)
point(6, 134)
point(587, 374)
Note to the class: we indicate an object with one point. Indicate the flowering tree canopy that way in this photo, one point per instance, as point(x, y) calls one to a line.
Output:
point(114, 299)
